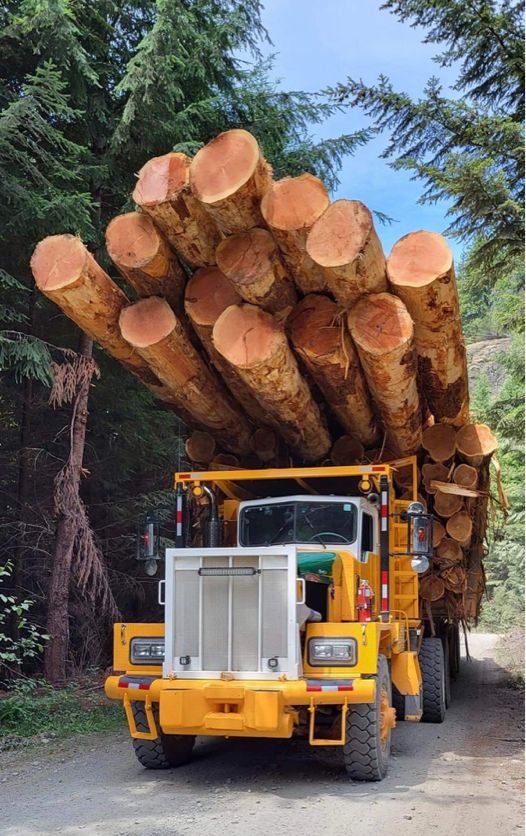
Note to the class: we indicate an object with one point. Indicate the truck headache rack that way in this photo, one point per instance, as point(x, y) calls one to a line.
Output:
point(234, 613)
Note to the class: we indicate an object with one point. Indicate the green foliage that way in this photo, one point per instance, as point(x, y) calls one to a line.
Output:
point(468, 151)
point(34, 708)
point(29, 641)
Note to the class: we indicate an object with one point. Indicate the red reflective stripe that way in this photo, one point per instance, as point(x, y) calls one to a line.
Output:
point(345, 688)
point(179, 517)
point(384, 511)
point(185, 475)
point(123, 684)
point(313, 687)
point(378, 468)
point(144, 686)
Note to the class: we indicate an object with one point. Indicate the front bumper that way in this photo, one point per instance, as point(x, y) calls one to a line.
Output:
point(236, 708)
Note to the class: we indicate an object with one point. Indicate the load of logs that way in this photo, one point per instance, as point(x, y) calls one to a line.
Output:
point(269, 319)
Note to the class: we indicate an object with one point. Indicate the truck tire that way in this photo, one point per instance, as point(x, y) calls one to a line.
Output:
point(433, 669)
point(368, 732)
point(167, 750)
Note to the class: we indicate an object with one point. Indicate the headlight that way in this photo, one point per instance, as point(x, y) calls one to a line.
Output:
point(328, 651)
point(147, 651)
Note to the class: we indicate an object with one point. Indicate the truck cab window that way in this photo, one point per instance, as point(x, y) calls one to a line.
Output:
point(367, 542)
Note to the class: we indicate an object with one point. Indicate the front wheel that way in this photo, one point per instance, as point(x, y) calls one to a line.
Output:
point(368, 731)
point(167, 750)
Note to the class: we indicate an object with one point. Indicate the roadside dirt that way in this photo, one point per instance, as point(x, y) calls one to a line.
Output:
point(462, 778)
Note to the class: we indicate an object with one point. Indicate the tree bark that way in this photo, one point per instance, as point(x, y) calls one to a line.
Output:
point(143, 257)
point(152, 328)
point(344, 243)
point(207, 295)
point(229, 177)
point(290, 208)
point(320, 337)
point(420, 270)
point(57, 625)
point(383, 332)
point(255, 345)
point(163, 192)
point(252, 262)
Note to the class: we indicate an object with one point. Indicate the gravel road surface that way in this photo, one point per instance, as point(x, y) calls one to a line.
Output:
point(463, 777)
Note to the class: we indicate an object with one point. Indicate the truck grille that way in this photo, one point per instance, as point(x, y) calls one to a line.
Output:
point(230, 622)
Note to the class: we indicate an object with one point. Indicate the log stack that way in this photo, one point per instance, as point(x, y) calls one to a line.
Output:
point(271, 321)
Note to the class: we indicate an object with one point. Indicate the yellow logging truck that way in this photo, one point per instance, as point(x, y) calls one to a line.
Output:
point(299, 615)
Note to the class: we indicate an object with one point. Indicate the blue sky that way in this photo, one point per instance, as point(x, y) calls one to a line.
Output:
point(318, 44)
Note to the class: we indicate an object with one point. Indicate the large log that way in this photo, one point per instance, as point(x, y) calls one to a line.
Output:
point(447, 504)
point(143, 257)
point(163, 192)
point(465, 475)
point(200, 447)
point(67, 273)
point(347, 450)
point(254, 343)
point(439, 441)
point(229, 176)
point(344, 243)
point(290, 207)
point(152, 328)
point(208, 293)
point(265, 444)
point(476, 444)
point(383, 332)
point(433, 471)
point(449, 551)
point(252, 262)
point(420, 270)
point(460, 527)
point(320, 337)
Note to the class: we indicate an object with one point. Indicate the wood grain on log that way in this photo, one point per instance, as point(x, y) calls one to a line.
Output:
point(200, 447)
point(255, 345)
point(290, 207)
point(344, 243)
point(476, 444)
point(163, 192)
point(439, 441)
point(383, 332)
point(144, 258)
point(431, 472)
point(347, 450)
point(229, 177)
point(460, 527)
point(152, 328)
point(420, 270)
point(320, 337)
point(466, 476)
point(252, 262)
point(447, 504)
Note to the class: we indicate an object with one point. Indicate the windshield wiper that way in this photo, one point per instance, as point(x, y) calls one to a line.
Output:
point(272, 542)
point(318, 536)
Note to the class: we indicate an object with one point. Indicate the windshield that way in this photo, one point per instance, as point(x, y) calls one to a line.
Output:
point(298, 522)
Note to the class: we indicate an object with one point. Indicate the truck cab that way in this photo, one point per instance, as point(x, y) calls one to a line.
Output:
point(286, 613)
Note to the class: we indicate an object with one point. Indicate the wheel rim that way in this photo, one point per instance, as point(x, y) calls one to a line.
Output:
point(387, 717)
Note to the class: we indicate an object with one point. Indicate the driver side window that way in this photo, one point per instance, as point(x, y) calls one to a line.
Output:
point(367, 539)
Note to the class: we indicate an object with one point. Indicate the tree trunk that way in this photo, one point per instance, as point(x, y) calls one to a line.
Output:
point(383, 332)
point(252, 262)
point(439, 441)
point(344, 243)
point(207, 295)
point(229, 177)
point(319, 335)
point(476, 444)
point(163, 192)
point(290, 207)
point(67, 273)
point(144, 258)
point(255, 345)
point(57, 626)
point(152, 328)
point(420, 269)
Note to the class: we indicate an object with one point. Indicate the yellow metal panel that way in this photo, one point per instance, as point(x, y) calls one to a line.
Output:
point(181, 709)
point(262, 710)
point(227, 721)
point(405, 672)
point(123, 633)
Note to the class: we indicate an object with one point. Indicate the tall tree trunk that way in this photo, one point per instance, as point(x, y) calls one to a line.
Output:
point(58, 595)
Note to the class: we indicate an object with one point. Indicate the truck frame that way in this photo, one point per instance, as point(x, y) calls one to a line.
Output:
point(323, 638)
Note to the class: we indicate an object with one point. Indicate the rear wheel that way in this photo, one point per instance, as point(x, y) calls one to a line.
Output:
point(167, 750)
point(433, 669)
point(368, 732)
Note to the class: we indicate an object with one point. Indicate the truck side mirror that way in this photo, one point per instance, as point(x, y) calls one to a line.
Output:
point(419, 536)
point(148, 542)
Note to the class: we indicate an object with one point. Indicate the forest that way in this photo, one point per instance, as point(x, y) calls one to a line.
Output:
point(88, 93)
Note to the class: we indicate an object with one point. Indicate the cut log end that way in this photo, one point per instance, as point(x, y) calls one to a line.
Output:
point(315, 326)
point(434, 471)
point(58, 261)
point(265, 444)
point(161, 178)
point(380, 323)
point(476, 441)
point(246, 256)
point(224, 165)
point(447, 504)
point(460, 526)
point(418, 259)
point(147, 322)
point(207, 295)
point(294, 203)
point(247, 336)
point(200, 447)
point(132, 240)
point(465, 475)
point(439, 441)
point(449, 550)
point(340, 234)
point(439, 532)
point(347, 450)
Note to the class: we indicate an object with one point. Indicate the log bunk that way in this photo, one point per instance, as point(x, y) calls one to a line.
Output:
point(270, 320)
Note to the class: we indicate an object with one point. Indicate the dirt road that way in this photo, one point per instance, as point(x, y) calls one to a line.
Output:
point(463, 777)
